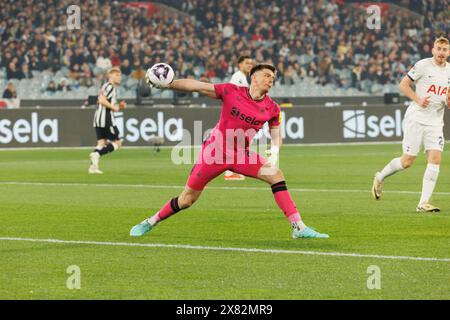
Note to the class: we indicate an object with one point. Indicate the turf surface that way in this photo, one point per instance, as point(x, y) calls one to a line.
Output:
point(47, 194)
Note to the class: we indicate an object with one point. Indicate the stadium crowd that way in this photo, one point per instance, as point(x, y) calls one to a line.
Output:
point(322, 42)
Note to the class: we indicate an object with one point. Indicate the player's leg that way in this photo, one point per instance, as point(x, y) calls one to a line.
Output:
point(257, 167)
point(104, 147)
point(101, 143)
point(174, 205)
point(412, 142)
point(114, 142)
point(95, 155)
point(201, 174)
point(429, 181)
point(434, 146)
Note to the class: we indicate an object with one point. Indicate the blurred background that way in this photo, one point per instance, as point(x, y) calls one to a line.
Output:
point(349, 55)
point(319, 47)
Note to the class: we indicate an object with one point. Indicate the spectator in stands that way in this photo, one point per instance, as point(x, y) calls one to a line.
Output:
point(75, 73)
point(77, 58)
point(12, 72)
point(86, 76)
point(385, 77)
point(6, 59)
point(44, 64)
point(64, 86)
point(210, 71)
point(103, 62)
point(290, 31)
point(137, 73)
point(114, 56)
point(326, 69)
point(51, 88)
point(311, 70)
point(10, 91)
point(204, 78)
point(188, 70)
point(147, 62)
point(25, 72)
point(357, 75)
point(228, 29)
point(126, 67)
point(56, 64)
point(288, 76)
point(221, 66)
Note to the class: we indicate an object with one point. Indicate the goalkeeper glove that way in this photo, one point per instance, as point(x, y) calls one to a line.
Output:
point(154, 85)
point(273, 156)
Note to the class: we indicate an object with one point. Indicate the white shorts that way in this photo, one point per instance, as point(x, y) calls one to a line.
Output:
point(417, 135)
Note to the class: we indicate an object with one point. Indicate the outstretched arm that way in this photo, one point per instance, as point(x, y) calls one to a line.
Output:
point(192, 85)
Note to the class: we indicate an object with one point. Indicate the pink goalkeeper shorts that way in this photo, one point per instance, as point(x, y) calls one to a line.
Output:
point(207, 167)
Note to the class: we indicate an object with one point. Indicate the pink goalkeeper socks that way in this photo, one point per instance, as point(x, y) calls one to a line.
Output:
point(170, 208)
point(285, 202)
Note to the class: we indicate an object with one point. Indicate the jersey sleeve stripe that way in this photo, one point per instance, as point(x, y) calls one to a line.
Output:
point(109, 92)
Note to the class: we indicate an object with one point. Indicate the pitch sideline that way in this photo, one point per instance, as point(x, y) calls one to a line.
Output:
point(150, 186)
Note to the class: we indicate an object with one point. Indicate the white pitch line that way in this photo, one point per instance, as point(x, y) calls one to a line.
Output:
point(330, 144)
point(150, 186)
point(251, 250)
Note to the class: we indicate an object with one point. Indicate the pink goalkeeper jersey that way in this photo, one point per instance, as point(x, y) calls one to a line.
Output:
point(240, 111)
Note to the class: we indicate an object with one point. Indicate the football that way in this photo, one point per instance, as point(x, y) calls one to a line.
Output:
point(160, 75)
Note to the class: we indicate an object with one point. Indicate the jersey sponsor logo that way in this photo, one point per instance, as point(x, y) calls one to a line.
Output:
point(25, 131)
point(356, 124)
point(235, 112)
point(437, 90)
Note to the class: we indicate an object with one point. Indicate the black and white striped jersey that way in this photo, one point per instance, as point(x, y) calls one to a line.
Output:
point(104, 117)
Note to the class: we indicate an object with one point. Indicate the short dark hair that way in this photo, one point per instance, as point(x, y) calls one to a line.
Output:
point(243, 58)
point(262, 66)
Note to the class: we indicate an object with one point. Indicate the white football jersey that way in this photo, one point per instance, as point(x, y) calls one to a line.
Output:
point(434, 81)
point(239, 79)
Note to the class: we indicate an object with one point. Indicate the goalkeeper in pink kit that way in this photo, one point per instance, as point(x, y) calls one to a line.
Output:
point(244, 112)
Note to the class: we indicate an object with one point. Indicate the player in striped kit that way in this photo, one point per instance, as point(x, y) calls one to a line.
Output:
point(105, 126)
point(423, 121)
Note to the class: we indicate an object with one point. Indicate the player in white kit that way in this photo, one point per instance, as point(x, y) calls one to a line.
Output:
point(239, 78)
point(423, 124)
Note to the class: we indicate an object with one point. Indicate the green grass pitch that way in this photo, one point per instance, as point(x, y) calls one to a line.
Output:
point(47, 194)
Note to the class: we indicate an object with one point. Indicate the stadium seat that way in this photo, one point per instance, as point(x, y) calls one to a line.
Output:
point(376, 88)
point(167, 94)
point(131, 83)
point(198, 71)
